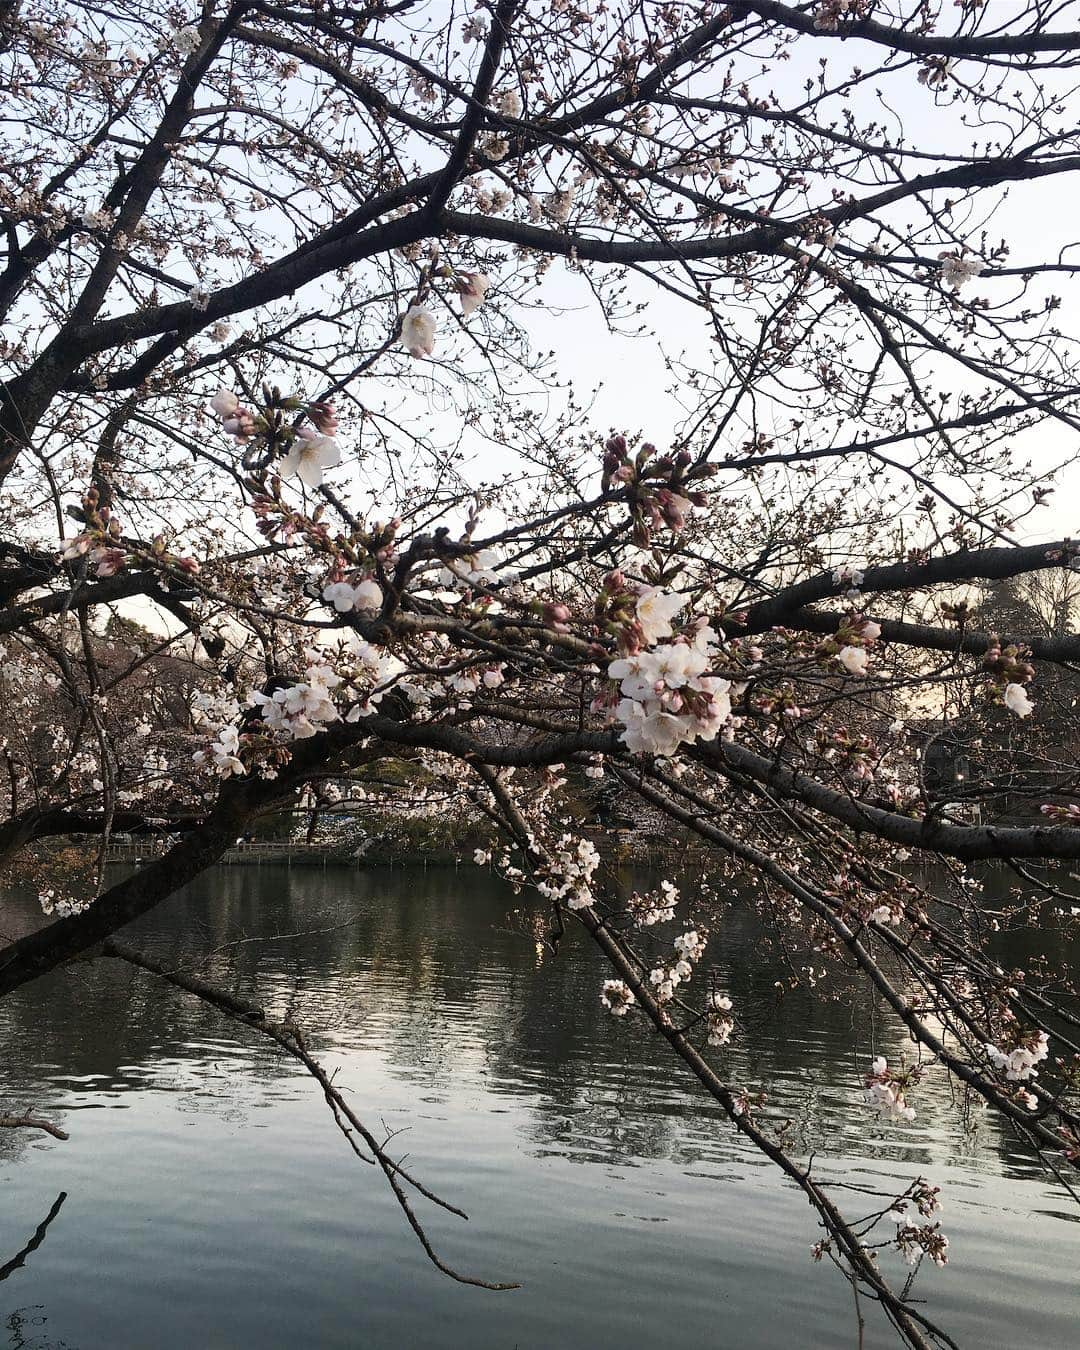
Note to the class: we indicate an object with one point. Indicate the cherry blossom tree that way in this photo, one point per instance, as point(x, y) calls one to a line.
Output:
point(294, 492)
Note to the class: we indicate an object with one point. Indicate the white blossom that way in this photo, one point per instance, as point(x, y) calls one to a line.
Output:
point(186, 40)
point(472, 288)
point(956, 271)
point(1017, 701)
point(854, 659)
point(418, 331)
point(345, 597)
point(310, 454)
point(1018, 1064)
point(225, 403)
point(655, 609)
point(884, 1090)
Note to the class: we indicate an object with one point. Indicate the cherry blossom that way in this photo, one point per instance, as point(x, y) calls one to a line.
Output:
point(884, 1090)
point(187, 40)
point(855, 660)
point(1017, 701)
point(345, 597)
point(472, 288)
point(222, 755)
point(655, 609)
point(310, 455)
point(617, 997)
point(418, 331)
point(225, 403)
point(957, 271)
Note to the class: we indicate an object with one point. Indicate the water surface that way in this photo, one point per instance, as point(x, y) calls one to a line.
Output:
point(211, 1203)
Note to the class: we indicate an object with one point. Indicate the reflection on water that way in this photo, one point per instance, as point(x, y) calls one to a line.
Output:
point(211, 1203)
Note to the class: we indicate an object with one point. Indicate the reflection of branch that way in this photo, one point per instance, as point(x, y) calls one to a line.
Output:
point(288, 1036)
point(35, 1242)
point(34, 1123)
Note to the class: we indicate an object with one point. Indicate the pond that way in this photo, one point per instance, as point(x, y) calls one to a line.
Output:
point(209, 1201)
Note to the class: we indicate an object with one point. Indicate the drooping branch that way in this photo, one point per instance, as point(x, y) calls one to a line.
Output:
point(289, 1038)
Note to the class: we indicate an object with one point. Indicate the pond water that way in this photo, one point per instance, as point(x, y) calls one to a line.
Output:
point(209, 1201)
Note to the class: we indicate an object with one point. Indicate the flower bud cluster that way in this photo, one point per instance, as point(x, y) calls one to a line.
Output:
point(100, 538)
point(660, 497)
point(1010, 670)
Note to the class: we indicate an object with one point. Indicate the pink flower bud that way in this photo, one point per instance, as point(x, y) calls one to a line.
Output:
point(556, 615)
point(325, 418)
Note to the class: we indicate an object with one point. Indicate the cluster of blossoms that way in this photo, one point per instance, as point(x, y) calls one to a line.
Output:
point(850, 576)
point(916, 1239)
point(886, 914)
point(718, 1019)
point(469, 681)
point(569, 874)
point(223, 754)
point(211, 710)
point(418, 322)
point(63, 906)
point(311, 447)
point(99, 542)
point(302, 709)
point(654, 907)
point(923, 1196)
point(665, 979)
point(956, 271)
point(617, 996)
point(1023, 1051)
point(884, 1089)
point(667, 698)
point(186, 40)
point(830, 13)
point(366, 595)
